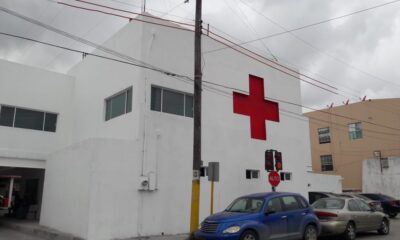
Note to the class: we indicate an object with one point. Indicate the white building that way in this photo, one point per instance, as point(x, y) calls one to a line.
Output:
point(95, 160)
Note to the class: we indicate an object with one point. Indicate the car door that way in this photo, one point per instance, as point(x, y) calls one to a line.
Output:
point(359, 217)
point(295, 213)
point(275, 219)
point(374, 219)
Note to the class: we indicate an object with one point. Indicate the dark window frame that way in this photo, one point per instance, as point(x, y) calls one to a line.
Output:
point(324, 137)
point(326, 167)
point(252, 174)
point(159, 106)
point(355, 131)
point(128, 95)
point(46, 117)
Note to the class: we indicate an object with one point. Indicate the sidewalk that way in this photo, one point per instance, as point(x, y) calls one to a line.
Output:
point(34, 229)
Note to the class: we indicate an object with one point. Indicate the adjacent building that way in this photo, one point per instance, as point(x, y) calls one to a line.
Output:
point(342, 137)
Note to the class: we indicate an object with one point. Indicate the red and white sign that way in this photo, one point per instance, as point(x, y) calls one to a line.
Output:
point(274, 179)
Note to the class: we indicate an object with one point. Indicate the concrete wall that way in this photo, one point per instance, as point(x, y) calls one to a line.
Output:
point(386, 181)
point(324, 183)
point(36, 89)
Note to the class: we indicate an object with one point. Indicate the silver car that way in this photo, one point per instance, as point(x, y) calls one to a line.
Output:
point(373, 204)
point(347, 216)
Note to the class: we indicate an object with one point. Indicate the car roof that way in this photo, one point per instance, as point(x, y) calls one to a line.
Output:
point(270, 194)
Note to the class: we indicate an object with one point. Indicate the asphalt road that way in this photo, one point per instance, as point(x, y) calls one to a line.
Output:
point(393, 235)
point(6, 234)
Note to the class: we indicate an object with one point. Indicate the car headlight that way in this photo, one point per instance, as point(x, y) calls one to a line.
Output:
point(233, 229)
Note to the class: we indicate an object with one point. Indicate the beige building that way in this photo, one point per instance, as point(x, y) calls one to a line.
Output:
point(342, 137)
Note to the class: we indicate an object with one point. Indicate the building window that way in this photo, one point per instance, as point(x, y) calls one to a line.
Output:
point(355, 131)
point(326, 163)
point(324, 135)
point(286, 176)
point(252, 174)
point(119, 104)
point(28, 119)
point(168, 101)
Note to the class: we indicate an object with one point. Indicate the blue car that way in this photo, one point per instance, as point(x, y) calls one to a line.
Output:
point(262, 216)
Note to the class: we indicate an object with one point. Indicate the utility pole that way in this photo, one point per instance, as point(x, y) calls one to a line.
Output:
point(194, 217)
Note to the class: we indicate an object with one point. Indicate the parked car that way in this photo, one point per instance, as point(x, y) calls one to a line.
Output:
point(314, 196)
point(390, 205)
point(348, 216)
point(263, 216)
point(372, 203)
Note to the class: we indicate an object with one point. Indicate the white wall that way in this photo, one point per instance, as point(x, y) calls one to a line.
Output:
point(36, 89)
point(386, 182)
point(324, 183)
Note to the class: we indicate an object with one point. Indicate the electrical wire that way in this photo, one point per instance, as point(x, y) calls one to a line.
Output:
point(313, 24)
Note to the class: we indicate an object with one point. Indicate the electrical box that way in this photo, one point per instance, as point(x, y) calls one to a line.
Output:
point(213, 171)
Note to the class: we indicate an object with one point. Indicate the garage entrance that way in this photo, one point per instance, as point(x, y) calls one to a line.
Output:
point(21, 191)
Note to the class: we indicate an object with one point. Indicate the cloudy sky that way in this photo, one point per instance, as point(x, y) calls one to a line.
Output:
point(356, 54)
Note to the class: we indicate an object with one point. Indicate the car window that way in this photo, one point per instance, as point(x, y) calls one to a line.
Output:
point(329, 203)
point(353, 206)
point(363, 205)
point(246, 205)
point(303, 203)
point(290, 203)
point(372, 196)
point(362, 197)
point(274, 205)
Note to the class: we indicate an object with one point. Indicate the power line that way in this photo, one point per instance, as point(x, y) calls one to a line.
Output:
point(312, 24)
point(96, 55)
point(294, 74)
point(87, 42)
point(314, 47)
point(190, 81)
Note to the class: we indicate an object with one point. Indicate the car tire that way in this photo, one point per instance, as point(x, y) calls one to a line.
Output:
point(249, 235)
point(310, 233)
point(385, 227)
point(392, 215)
point(350, 232)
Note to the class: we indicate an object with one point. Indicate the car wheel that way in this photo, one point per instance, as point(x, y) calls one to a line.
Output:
point(310, 233)
point(392, 215)
point(350, 232)
point(249, 235)
point(385, 227)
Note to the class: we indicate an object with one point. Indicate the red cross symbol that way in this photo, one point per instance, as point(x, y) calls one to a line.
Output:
point(257, 107)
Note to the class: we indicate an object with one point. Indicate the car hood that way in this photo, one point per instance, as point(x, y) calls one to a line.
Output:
point(230, 217)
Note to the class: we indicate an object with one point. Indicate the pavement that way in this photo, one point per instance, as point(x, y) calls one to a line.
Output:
point(8, 234)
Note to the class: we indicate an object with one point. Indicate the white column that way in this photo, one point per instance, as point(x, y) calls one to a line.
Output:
point(10, 192)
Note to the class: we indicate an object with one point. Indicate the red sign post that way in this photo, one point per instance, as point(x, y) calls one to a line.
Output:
point(274, 179)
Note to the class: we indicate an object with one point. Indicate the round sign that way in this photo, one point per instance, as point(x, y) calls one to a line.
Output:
point(274, 178)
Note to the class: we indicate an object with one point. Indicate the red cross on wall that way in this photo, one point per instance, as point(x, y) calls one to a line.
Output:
point(257, 107)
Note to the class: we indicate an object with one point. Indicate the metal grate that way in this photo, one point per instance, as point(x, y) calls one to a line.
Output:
point(208, 227)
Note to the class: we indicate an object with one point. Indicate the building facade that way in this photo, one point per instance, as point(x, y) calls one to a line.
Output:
point(115, 140)
point(342, 137)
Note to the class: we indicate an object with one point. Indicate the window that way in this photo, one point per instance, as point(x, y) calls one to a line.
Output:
point(28, 119)
point(168, 101)
point(324, 135)
point(326, 163)
point(290, 203)
point(246, 205)
point(250, 174)
point(353, 206)
point(355, 131)
point(286, 176)
point(119, 104)
point(274, 205)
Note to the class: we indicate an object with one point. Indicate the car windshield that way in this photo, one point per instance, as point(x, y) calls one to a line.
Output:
point(329, 203)
point(246, 204)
